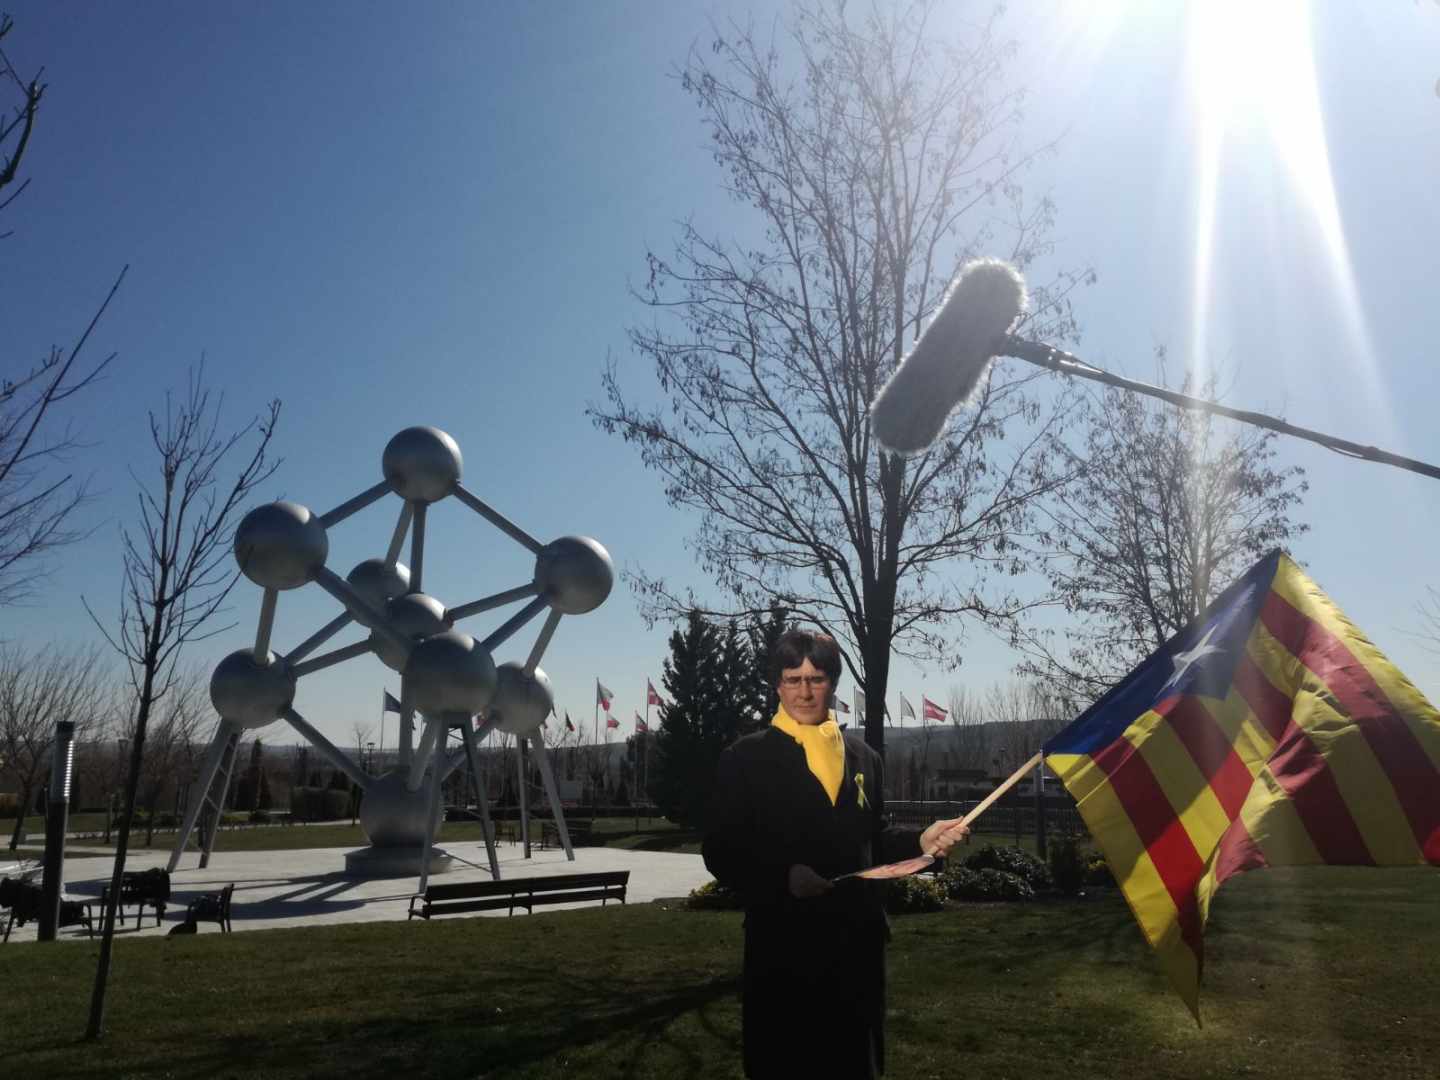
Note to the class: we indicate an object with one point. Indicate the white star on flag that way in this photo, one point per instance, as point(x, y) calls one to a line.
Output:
point(1184, 661)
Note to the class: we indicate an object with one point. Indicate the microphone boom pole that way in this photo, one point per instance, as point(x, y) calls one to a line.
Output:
point(1047, 356)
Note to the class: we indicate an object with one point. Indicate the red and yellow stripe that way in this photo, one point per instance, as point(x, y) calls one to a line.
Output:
point(1321, 752)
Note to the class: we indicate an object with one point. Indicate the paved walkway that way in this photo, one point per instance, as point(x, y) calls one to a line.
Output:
point(309, 887)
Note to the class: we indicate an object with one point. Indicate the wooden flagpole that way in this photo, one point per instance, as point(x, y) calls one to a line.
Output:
point(1015, 778)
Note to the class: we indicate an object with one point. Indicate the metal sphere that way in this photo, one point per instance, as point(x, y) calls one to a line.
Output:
point(249, 693)
point(450, 672)
point(378, 583)
point(575, 574)
point(413, 616)
point(422, 464)
point(281, 545)
point(521, 702)
point(392, 816)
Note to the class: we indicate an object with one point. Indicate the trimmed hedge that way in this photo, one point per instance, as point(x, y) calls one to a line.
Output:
point(712, 896)
point(1012, 860)
point(914, 895)
point(962, 883)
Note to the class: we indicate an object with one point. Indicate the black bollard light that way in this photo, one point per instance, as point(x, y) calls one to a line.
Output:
point(57, 820)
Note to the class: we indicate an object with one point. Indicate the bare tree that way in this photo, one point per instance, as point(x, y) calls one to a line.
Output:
point(1169, 508)
point(972, 737)
point(172, 742)
point(38, 496)
point(37, 689)
point(888, 159)
point(178, 570)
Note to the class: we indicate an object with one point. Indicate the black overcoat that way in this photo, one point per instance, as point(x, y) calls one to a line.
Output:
point(814, 982)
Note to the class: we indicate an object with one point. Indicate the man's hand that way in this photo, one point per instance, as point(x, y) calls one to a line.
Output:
point(940, 837)
point(806, 884)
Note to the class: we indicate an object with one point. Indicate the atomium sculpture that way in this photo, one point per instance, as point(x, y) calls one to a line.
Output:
point(447, 676)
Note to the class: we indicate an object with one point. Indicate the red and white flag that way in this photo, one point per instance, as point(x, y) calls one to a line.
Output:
point(840, 706)
point(603, 695)
point(652, 698)
point(568, 725)
point(640, 724)
point(611, 722)
point(932, 711)
point(906, 709)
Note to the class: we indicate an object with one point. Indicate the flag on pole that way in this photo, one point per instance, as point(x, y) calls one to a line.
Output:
point(568, 725)
point(652, 698)
point(603, 697)
point(859, 708)
point(841, 707)
point(906, 709)
point(1269, 732)
point(640, 725)
point(611, 722)
point(931, 711)
point(390, 704)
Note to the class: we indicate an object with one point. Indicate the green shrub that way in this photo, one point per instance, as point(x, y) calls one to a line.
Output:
point(1097, 870)
point(963, 883)
point(1067, 865)
point(259, 817)
point(914, 894)
point(9, 805)
point(712, 896)
point(1011, 860)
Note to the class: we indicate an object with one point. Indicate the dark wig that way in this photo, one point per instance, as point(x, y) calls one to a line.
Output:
point(794, 647)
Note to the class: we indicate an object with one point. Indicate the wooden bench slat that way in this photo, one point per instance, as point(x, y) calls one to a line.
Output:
point(524, 893)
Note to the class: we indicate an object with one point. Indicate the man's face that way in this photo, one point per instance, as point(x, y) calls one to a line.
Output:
point(805, 693)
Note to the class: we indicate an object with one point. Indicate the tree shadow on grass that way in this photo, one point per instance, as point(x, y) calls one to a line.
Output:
point(598, 1027)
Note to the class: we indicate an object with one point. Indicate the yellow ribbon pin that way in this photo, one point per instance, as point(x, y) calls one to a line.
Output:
point(860, 799)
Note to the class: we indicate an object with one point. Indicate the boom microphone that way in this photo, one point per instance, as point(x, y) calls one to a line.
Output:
point(951, 357)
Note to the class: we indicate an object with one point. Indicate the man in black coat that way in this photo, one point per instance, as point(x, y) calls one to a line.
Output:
point(795, 806)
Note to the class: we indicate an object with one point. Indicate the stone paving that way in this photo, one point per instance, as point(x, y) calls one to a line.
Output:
point(308, 887)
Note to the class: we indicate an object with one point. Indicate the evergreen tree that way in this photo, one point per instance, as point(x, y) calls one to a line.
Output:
point(763, 633)
point(704, 680)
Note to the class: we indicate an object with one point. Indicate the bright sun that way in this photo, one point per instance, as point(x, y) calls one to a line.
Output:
point(1253, 74)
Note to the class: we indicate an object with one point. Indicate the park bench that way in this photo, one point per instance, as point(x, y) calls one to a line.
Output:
point(142, 888)
point(580, 832)
point(23, 899)
point(212, 907)
point(527, 893)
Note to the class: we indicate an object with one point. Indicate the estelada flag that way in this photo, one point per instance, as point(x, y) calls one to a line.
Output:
point(652, 698)
point(931, 711)
point(603, 696)
point(1269, 732)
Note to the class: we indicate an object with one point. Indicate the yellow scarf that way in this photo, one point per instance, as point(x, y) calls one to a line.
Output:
point(824, 748)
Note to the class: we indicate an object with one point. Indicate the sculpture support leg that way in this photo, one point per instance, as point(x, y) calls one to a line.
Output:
point(553, 794)
point(437, 755)
point(468, 734)
point(223, 731)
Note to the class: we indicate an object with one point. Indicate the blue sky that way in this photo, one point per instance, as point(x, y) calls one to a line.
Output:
point(389, 217)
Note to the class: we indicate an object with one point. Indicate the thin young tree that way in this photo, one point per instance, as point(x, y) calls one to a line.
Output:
point(172, 743)
point(873, 155)
point(38, 688)
point(177, 569)
point(39, 497)
point(1168, 508)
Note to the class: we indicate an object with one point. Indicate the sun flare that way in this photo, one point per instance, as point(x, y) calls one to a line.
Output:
point(1253, 80)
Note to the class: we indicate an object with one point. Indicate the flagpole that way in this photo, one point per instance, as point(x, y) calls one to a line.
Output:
point(1011, 781)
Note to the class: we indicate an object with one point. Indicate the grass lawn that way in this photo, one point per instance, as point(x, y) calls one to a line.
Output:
point(1322, 974)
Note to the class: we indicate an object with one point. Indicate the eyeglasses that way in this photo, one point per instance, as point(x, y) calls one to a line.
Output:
point(792, 682)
